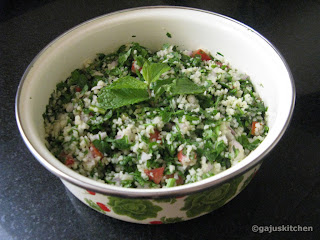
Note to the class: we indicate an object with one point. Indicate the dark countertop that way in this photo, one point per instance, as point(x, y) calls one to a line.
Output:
point(286, 191)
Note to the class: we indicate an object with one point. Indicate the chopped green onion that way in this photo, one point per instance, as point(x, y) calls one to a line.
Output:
point(171, 182)
point(97, 109)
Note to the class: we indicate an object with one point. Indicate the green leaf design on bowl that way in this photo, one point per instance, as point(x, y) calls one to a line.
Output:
point(135, 208)
point(93, 205)
point(171, 220)
point(166, 200)
point(247, 181)
point(212, 199)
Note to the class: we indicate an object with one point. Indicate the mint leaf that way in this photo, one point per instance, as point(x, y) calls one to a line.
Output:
point(125, 91)
point(123, 57)
point(152, 71)
point(161, 86)
point(176, 87)
point(127, 82)
point(185, 86)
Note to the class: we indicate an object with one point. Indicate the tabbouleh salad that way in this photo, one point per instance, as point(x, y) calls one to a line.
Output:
point(139, 119)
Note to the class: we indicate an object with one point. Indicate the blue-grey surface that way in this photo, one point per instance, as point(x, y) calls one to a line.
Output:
point(35, 205)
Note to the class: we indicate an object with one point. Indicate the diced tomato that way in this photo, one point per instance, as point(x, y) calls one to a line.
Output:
point(253, 128)
point(155, 175)
point(90, 192)
point(155, 136)
point(95, 151)
point(156, 222)
point(219, 63)
point(204, 56)
point(77, 89)
point(134, 67)
point(103, 207)
point(67, 158)
point(179, 181)
point(69, 161)
point(182, 157)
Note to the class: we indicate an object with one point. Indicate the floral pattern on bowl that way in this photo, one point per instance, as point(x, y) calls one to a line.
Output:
point(165, 210)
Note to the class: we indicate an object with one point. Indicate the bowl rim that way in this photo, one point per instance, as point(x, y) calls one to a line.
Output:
point(159, 192)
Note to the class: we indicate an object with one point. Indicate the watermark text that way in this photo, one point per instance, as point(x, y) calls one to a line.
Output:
point(281, 228)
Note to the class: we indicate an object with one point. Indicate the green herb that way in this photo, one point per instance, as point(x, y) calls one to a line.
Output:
point(137, 177)
point(114, 72)
point(171, 182)
point(185, 86)
point(212, 133)
point(260, 107)
point(217, 101)
point(214, 154)
point(225, 162)
point(101, 145)
point(122, 143)
point(151, 72)
point(129, 90)
point(121, 49)
point(97, 109)
point(220, 54)
point(61, 86)
point(125, 161)
point(84, 89)
point(244, 141)
point(140, 60)
point(165, 45)
point(125, 91)
point(166, 116)
point(240, 110)
point(233, 92)
point(236, 151)
point(126, 183)
point(77, 78)
point(95, 124)
point(104, 145)
point(161, 86)
point(123, 57)
point(169, 35)
point(192, 118)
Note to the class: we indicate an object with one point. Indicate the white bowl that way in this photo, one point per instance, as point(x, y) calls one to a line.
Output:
point(245, 49)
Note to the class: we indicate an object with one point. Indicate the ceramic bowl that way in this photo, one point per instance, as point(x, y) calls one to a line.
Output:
point(245, 49)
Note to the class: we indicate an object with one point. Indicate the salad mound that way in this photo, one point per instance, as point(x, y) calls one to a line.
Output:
point(139, 119)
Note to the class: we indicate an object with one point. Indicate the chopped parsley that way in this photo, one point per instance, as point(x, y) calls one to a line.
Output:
point(136, 119)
